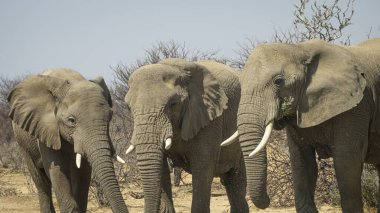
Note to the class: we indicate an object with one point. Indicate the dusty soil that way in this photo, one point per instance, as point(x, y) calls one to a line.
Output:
point(18, 198)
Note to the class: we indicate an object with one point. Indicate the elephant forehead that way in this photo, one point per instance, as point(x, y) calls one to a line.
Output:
point(263, 69)
point(154, 73)
point(85, 91)
point(270, 60)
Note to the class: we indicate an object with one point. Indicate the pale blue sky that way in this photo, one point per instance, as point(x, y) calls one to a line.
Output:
point(91, 36)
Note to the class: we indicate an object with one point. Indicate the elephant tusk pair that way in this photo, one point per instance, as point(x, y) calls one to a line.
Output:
point(168, 144)
point(264, 140)
point(231, 139)
point(78, 160)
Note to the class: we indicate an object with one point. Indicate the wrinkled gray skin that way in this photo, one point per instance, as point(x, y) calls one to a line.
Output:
point(195, 104)
point(55, 116)
point(327, 97)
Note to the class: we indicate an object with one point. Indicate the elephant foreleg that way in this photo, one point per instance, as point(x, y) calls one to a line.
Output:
point(202, 176)
point(350, 148)
point(348, 170)
point(80, 183)
point(235, 183)
point(304, 172)
point(166, 192)
point(59, 172)
point(42, 183)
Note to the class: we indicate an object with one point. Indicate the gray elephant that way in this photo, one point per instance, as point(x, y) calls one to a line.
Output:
point(183, 111)
point(327, 96)
point(57, 118)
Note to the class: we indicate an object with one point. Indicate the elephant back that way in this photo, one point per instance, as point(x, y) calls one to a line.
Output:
point(64, 73)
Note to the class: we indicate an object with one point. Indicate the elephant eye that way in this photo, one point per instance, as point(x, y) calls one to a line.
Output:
point(279, 81)
point(71, 120)
point(173, 103)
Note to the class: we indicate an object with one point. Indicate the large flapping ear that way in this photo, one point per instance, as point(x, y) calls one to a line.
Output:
point(100, 81)
point(206, 101)
point(32, 107)
point(335, 83)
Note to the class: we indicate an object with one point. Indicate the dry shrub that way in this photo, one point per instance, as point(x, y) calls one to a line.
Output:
point(370, 186)
point(10, 156)
point(280, 185)
point(7, 192)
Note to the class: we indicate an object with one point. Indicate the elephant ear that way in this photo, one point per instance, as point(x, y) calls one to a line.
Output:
point(32, 107)
point(100, 81)
point(335, 83)
point(206, 98)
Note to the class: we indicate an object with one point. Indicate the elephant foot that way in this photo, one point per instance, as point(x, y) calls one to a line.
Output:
point(262, 202)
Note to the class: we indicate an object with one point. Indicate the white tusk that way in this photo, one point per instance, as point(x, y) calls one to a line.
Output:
point(231, 139)
point(119, 159)
point(168, 143)
point(264, 140)
point(78, 160)
point(130, 149)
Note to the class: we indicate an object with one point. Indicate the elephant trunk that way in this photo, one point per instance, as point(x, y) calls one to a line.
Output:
point(150, 166)
point(100, 159)
point(251, 130)
point(149, 138)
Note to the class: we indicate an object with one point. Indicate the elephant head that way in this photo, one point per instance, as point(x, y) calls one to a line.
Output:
point(170, 101)
point(73, 116)
point(305, 84)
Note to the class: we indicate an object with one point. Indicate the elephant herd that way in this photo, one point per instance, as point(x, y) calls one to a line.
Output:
point(209, 120)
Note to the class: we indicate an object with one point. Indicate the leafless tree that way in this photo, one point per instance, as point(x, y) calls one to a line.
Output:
point(244, 51)
point(327, 21)
point(8, 149)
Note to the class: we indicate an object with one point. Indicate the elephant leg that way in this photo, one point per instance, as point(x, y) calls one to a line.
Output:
point(80, 183)
point(56, 165)
point(350, 147)
point(348, 170)
point(304, 172)
point(202, 176)
point(166, 192)
point(42, 183)
point(235, 183)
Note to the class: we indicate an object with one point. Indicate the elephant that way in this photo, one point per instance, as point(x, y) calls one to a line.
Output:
point(182, 111)
point(326, 97)
point(59, 118)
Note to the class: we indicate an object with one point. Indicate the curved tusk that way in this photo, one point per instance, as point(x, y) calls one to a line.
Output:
point(168, 143)
point(78, 160)
point(231, 139)
point(119, 159)
point(130, 149)
point(264, 140)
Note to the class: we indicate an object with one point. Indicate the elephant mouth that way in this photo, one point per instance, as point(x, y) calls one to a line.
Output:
point(280, 124)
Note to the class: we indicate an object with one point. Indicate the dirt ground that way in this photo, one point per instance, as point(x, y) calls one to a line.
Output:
point(21, 200)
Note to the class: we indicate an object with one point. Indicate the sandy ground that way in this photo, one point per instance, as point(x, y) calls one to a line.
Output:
point(24, 201)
